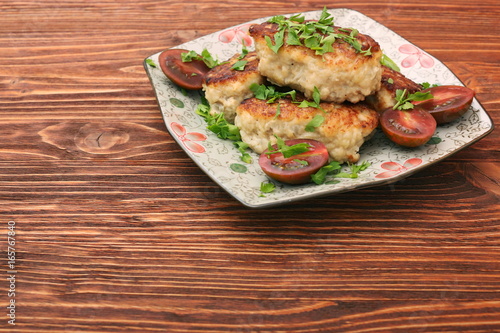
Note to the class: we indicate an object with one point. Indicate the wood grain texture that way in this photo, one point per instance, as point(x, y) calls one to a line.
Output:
point(117, 230)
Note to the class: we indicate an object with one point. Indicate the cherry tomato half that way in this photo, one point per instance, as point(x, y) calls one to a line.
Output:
point(189, 75)
point(449, 102)
point(298, 168)
point(410, 128)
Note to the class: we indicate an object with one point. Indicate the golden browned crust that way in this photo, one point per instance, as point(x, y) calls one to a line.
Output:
point(263, 29)
point(345, 127)
point(225, 88)
point(223, 74)
point(391, 82)
point(341, 75)
point(337, 116)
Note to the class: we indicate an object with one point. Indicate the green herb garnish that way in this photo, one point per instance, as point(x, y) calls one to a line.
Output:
point(333, 169)
point(318, 36)
point(316, 122)
point(239, 65)
point(355, 170)
point(434, 140)
point(353, 41)
point(279, 38)
point(278, 112)
point(267, 187)
point(190, 56)
point(223, 129)
point(404, 99)
point(243, 149)
point(315, 103)
point(269, 93)
point(244, 51)
point(205, 56)
point(151, 63)
point(302, 162)
point(388, 62)
point(426, 85)
point(320, 176)
point(288, 151)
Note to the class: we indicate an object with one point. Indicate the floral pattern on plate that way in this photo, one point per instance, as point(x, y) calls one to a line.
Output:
point(389, 162)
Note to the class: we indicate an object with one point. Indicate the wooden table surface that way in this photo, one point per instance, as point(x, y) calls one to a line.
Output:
point(117, 229)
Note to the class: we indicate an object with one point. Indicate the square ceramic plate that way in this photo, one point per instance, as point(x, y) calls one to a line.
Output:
point(389, 162)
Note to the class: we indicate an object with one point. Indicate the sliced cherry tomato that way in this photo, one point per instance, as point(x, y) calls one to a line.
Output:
point(449, 102)
point(298, 168)
point(409, 128)
point(189, 75)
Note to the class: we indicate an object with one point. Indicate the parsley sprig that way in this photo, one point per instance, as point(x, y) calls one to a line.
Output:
point(239, 65)
point(318, 36)
point(267, 187)
point(151, 63)
point(388, 62)
point(333, 169)
point(316, 101)
point(316, 122)
point(426, 85)
point(355, 169)
point(218, 124)
point(223, 129)
point(287, 151)
point(270, 93)
point(350, 38)
point(205, 56)
point(404, 99)
point(320, 176)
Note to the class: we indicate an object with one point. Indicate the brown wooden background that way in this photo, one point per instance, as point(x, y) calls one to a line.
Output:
point(119, 231)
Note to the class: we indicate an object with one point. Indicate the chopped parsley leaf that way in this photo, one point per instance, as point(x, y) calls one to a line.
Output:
point(151, 63)
point(316, 122)
point(287, 151)
point(269, 93)
point(267, 187)
point(388, 62)
point(244, 51)
point(426, 85)
point(333, 169)
point(205, 56)
point(278, 112)
point(404, 99)
point(239, 65)
point(320, 176)
point(223, 129)
point(355, 170)
point(318, 36)
point(279, 38)
point(315, 103)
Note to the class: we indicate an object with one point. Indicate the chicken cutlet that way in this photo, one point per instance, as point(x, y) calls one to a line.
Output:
point(391, 81)
point(344, 129)
point(345, 74)
point(226, 87)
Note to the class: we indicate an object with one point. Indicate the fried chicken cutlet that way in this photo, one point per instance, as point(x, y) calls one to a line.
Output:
point(344, 129)
point(345, 74)
point(226, 87)
point(391, 81)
